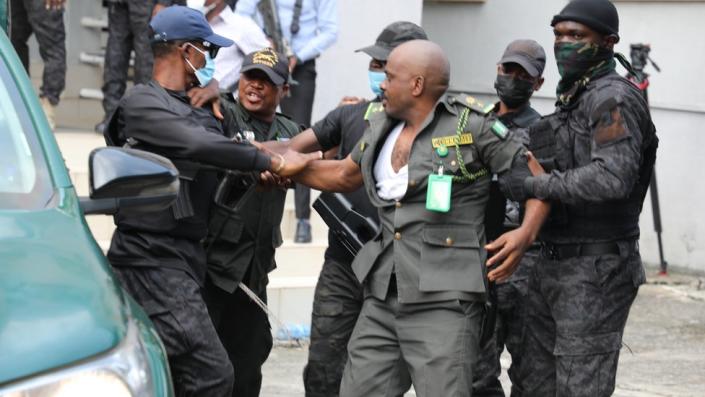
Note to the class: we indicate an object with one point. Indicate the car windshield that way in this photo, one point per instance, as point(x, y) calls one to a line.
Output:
point(24, 177)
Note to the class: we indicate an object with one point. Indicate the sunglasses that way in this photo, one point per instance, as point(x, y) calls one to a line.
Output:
point(211, 49)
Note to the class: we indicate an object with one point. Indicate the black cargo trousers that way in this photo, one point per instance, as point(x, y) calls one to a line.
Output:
point(172, 298)
point(128, 31)
point(31, 16)
point(577, 311)
point(336, 305)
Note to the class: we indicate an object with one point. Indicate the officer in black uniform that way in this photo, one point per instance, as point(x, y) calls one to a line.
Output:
point(244, 225)
point(158, 256)
point(338, 297)
point(519, 75)
point(600, 147)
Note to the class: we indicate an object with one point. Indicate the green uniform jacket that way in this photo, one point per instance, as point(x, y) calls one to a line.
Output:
point(241, 243)
point(435, 256)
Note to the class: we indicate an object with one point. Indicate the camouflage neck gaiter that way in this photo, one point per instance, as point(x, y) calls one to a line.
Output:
point(578, 63)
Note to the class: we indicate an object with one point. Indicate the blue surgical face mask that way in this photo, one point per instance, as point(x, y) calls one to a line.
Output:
point(204, 74)
point(376, 79)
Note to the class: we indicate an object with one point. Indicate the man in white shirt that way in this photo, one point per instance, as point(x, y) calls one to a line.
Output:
point(248, 38)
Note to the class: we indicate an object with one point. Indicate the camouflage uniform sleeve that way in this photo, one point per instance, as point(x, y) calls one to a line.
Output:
point(614, 152)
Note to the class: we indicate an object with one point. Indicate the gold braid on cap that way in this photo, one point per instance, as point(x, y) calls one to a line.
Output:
point(266, 57)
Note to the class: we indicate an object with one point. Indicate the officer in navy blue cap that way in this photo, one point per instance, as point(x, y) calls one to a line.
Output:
point(158, 256)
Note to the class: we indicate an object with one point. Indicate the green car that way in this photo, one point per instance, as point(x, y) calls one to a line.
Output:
point(66, 326)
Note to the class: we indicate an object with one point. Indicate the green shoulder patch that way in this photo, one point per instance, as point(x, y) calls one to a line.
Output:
point(500, 130)
point(372, 108)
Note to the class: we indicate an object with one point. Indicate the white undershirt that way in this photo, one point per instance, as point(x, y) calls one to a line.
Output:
point(390, 185)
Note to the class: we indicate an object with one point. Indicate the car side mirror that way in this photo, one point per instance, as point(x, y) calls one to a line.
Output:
point(129, 180)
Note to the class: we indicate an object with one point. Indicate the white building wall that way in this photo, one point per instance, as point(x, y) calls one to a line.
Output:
point(341, 71)
point(475, 35)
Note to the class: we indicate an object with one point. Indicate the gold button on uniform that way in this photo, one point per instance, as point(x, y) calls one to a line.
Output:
point(398, 204)
point(453, 163)
point(412, 183)
point(397, 236)
point(449, 241)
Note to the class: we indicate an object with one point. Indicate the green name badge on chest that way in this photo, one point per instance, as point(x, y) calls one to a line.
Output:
point(438, 193)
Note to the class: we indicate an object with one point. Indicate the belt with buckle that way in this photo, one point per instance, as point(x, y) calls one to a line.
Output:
point(565, 251)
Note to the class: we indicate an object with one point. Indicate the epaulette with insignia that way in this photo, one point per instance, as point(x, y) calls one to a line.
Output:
point(372, 108)
point(471, 103)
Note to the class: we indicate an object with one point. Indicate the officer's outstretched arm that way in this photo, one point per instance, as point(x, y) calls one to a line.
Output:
point(331, 175)
point(303, 142)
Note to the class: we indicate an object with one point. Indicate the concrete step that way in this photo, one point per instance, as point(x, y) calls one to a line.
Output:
point(290, 300)
point(94, 23)
point(299, 260)
point(319, 229)
point(92, 58)
point(91, 93)
point(97, 58)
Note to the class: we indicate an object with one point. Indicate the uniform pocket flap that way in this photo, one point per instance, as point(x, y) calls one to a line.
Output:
point(580, 345)
point(366, 259)
point(225, 225)
point(451, 236)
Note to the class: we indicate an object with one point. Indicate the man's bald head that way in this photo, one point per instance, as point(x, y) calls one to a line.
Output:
point(418, 71)
point(425, 58)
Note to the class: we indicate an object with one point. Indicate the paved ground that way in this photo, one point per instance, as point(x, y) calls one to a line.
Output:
point(663, 353)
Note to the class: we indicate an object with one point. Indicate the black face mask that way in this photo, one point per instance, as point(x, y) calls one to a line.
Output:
point(513, 92)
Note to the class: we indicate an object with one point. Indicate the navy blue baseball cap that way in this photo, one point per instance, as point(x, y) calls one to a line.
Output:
point(184, 23)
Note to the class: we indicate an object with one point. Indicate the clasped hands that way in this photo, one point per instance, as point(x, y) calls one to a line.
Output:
point(285, 163)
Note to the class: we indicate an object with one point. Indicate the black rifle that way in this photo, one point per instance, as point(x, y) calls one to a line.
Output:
point(639, 54)
point(350, 227)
